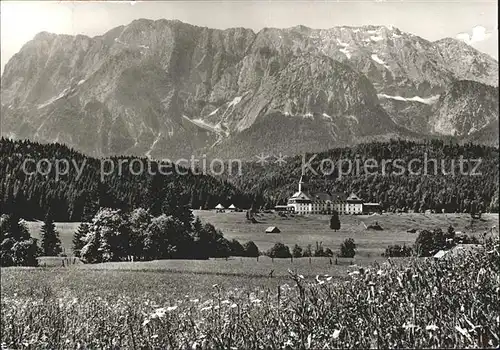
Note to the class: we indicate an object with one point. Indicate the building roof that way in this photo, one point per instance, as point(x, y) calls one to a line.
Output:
point(272, 229)
point(302, 195)
point(319, 197)
point(354, 198)
point(440, 254)
point(232, 206)
point(219, 206)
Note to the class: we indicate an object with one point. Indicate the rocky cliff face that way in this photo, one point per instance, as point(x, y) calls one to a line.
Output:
point(465, 108)
point(168, 89)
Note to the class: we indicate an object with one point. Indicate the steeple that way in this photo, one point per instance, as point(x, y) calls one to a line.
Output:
point(301, 181)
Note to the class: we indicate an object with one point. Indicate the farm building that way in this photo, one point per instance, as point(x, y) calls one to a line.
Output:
point(232, 207)
point(272, 229)
point(440, 254)
point(370, 208)
point(219, 208)
point(458, 251)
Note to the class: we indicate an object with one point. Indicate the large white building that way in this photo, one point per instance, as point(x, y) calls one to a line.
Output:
point(304, 202)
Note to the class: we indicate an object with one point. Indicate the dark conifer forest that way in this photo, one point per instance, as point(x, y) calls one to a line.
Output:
point(78, 198)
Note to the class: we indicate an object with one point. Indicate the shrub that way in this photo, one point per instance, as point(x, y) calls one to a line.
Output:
point(328, 252)
point(398, 251)
point(297, 251)
point(307, 252)
point(279, 250)
point(348, 248)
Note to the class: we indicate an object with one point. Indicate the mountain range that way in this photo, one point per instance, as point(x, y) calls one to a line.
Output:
point(166, 89)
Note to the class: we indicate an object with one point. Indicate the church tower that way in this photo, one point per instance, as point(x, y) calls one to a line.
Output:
point(301, 182)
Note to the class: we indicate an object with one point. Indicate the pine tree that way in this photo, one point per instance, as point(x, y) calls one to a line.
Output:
point(335, 221)
point(155, 194)
point(51, 244)
point(78, 238)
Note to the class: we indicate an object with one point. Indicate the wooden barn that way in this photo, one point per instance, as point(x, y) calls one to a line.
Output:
point(272, 229)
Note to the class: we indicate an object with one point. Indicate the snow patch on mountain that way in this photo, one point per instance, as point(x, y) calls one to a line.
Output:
point(327, 116)
point(379, 60)
point(341, 43)
point(203, 124)
point(54, 99)
point(235, 101)
point(376, 38)
point(346, 52)
point(214, 112)
point(353, 117)
point(426, 100)
point(148, 153)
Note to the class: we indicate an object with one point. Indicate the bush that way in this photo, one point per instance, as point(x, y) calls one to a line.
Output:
point(307, 252)
point(348, 248)
point(430, 242)
point(279, 250)
point(297, 251)
point(397, 251)
point(328, 252)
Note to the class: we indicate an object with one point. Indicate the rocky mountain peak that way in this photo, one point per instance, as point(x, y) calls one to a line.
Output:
point(166, 88)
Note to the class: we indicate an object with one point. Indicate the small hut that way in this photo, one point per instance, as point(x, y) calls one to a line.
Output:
point(232, 207)
point(219, 208)
point(272, 229)
point(440, 254)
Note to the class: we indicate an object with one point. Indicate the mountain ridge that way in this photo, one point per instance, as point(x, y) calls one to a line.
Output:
point(165, 87)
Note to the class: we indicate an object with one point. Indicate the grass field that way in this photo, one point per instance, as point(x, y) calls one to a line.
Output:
point(420, 303)
point(305, 230)
point(238, 303)
point(179, 276)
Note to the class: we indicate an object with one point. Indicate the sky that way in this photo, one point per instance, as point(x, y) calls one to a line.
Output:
point(472, 21)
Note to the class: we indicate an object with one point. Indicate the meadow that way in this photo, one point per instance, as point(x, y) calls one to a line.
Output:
point(418, 303)
point(304, 230)
point(367, 301)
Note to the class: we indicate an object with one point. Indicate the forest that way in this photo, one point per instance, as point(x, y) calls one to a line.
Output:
point(77, 197)
point(445, 187)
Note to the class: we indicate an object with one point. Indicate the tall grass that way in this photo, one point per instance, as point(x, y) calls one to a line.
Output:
point(451, 303)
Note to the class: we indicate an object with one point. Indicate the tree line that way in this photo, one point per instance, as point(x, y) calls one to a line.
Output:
point(77, 197)
point(395, 192)
point(116, 235)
